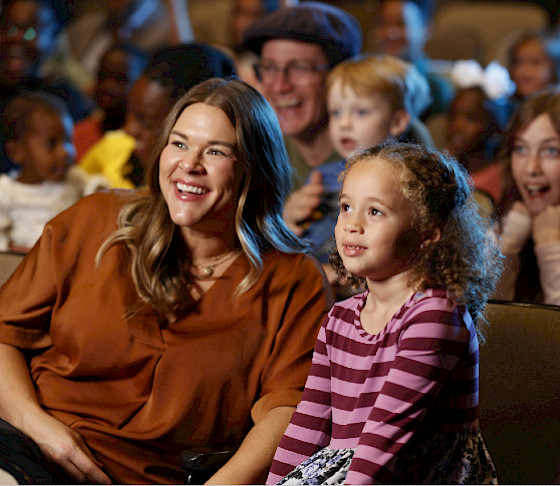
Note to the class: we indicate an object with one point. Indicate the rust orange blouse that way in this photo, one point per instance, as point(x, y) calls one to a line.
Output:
point(139, 393)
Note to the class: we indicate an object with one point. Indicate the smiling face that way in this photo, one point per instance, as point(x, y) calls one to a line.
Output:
point(199, 174)
point(535, 164)
point(27, 34)
point(358, 122)
point(298, 98)
point(531, 69)
point(46, 151)
point(374, 233)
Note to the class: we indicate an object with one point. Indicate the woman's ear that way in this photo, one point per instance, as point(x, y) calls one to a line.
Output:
point(399, 123)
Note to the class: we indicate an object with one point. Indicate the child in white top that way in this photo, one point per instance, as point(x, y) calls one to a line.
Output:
point(38, 133)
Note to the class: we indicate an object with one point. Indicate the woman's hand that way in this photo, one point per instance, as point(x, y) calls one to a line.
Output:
point(546, 226)
point(65, 447)
point(301, 203)
point(516, 229)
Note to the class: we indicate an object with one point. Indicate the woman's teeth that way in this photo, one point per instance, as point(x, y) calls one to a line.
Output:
point(191, 189)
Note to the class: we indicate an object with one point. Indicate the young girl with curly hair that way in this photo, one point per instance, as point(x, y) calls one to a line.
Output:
point(392, 395)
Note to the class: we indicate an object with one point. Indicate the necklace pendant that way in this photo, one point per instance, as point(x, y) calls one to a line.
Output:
point(208, 271)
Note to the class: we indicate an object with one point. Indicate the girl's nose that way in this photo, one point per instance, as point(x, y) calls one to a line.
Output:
point(533, 166)
point(353, 225)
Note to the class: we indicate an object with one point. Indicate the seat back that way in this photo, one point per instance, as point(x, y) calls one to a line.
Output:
point(488, 21)
point(8, 263)
point(520, 391)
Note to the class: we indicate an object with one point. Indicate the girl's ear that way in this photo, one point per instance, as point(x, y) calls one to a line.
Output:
point(399, 123)
point(14, 151)
point(431, 236)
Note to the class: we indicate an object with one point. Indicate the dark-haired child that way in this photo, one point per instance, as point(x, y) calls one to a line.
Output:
point(38, 134)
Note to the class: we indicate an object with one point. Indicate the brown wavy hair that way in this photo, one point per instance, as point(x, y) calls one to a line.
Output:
point(466, 260)
point(159, 258)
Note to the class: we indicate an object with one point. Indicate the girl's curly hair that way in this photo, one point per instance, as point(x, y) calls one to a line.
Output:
point(466, 259)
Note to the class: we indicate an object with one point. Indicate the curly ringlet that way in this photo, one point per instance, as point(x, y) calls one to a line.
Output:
point(466, 259)
point(159, 259)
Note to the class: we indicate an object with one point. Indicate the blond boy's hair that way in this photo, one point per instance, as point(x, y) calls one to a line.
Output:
point(399, 81)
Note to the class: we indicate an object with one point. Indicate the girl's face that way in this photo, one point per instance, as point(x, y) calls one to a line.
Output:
point(199, 174)
point(46, 151)
point(535, 164)
point(375, 234)
point(532, 69)
point(467, 121)
point(358, 122)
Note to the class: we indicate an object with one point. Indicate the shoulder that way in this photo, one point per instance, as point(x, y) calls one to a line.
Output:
point(93, 210)
point(435, 312)
point(293, 265)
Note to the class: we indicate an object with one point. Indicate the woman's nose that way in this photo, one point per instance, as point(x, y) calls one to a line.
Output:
point(190, 162)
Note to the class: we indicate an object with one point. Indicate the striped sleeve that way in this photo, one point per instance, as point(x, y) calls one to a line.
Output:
point(429, 348)
point(310, 426)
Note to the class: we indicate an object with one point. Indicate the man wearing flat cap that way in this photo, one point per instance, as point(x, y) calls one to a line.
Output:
point(297, 47)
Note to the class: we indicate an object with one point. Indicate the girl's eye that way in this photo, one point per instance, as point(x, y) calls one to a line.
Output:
point(362, 112)
point(374, 212)
point(334, 113)
point(518, 149)
point(344, 208)
point(551, 151)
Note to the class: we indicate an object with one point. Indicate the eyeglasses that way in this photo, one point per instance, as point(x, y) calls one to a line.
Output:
point(29, 33)
point(295, 72)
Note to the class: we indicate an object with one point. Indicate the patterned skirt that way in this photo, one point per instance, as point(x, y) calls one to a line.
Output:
point(456, 458)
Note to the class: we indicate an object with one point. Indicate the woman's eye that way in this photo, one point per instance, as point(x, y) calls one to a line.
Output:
point(178, 144)
point(217, 152)
point(362, 112)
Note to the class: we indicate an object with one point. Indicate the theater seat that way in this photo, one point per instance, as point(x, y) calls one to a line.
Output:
point(8, 263)
point(520, 392)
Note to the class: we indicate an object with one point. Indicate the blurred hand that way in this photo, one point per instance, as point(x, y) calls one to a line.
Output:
point(546, 226)
point(516, 229)
point(65, 447)
point(301, 203)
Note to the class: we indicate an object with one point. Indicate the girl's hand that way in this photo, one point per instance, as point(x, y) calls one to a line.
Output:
point(65, 447)
point(546, 226)
point(516, 229)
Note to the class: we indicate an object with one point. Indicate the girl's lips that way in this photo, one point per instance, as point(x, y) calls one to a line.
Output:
point(351, 250)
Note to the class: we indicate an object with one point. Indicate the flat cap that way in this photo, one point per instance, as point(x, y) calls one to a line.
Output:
point(336, 31)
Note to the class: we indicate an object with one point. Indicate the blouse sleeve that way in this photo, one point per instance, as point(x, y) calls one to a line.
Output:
point(297, 304)
point(310, 426)
point(429, 348)
point(27, 299)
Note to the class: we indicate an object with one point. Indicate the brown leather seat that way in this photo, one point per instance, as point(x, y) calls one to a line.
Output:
point(8, 263)
point(520, 391)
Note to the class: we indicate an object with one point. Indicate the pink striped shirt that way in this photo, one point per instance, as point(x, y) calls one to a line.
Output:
point(374, 393)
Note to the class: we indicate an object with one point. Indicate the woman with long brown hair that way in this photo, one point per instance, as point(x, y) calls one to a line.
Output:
point(169, 322)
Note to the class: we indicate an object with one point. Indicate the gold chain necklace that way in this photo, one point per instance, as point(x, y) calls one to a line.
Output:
point(207, 270)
